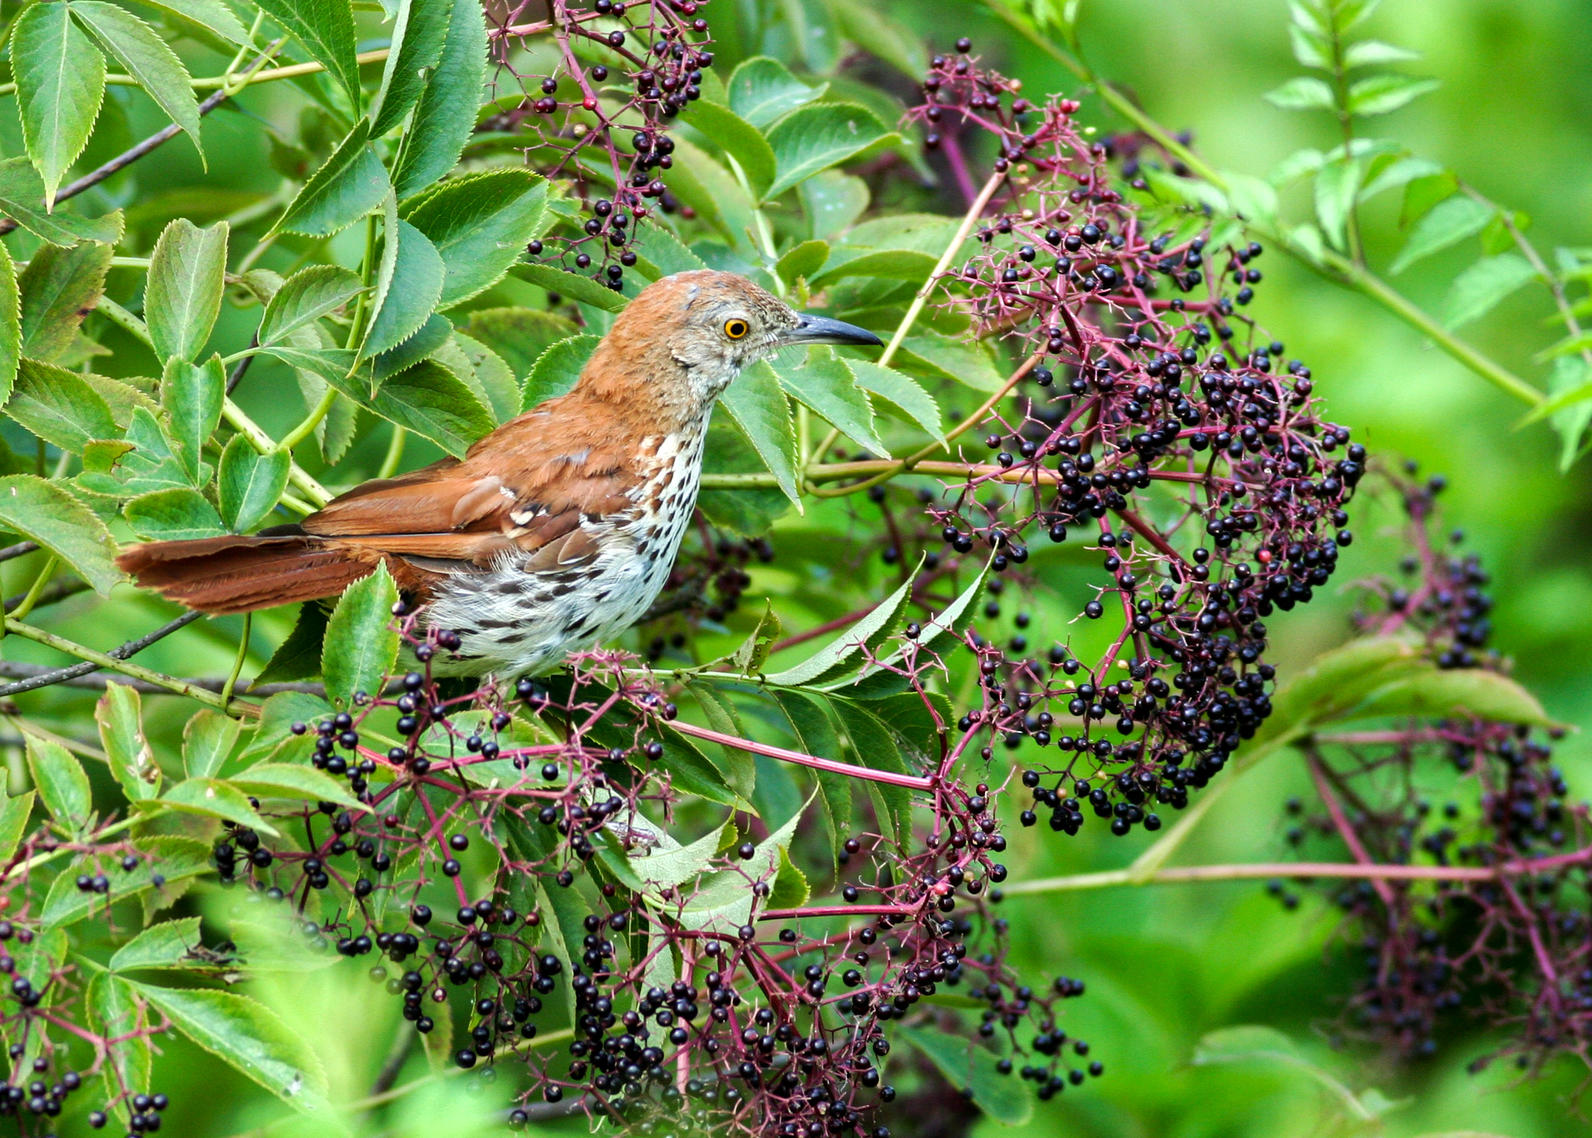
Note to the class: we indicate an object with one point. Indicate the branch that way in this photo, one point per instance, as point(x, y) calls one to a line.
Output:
point(832, 766)
point(92, 681)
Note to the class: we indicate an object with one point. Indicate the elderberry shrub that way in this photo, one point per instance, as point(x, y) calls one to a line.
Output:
point(708, 989)
point(624, 69)
point(1155, 425)
point(1496, 929)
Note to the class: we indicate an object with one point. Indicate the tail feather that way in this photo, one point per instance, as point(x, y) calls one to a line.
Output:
point(241, 574)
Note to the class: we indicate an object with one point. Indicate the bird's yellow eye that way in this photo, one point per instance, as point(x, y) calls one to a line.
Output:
point(736, 329)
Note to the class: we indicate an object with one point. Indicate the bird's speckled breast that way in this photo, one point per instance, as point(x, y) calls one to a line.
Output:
point(511, 622)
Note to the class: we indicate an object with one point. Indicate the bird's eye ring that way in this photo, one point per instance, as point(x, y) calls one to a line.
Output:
point(736, 329)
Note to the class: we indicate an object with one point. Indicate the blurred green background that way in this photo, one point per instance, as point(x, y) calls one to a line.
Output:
point(1165, 965)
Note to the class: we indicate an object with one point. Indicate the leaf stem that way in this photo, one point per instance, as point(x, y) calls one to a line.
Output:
point(832, 766)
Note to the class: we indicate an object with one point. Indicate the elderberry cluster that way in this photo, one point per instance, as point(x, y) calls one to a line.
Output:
point(1499, 932)
point(625, 69)
point(1156, 426)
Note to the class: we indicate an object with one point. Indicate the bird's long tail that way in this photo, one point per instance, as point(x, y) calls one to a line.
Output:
point(241, 574)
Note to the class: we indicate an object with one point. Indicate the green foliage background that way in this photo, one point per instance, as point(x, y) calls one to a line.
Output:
point(1165, 965)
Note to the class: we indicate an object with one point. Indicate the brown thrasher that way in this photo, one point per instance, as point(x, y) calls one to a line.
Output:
point(556, 530)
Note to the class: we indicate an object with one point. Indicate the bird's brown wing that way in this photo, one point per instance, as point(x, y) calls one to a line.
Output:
point(460, 517)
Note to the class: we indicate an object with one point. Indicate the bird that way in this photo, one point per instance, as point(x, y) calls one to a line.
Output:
point(558, 529)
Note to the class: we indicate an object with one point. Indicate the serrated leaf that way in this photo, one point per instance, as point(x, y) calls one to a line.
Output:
point(1481, 286)
point(971, 1068)
point(53, 517)
point(802, 261)
point(187, 273)
point(165, 945)
point(446, 113)
point(1301, 94)
point(1450, 692)
point(305, 297)
point(901, 392)
point(172, 859)
point(434, 403)
point(59, 288)
point(826, 385)
point(178, 513)
point(942, 624)
point(288, 780)
point(409, 282)
point(557, 369)
point(21, 190)
point(249, 1037)
point(192, 397)
point(147, 59)
point(1399, 173)
point(207, 739)
point(519, 335)
point(14, 812)
point(60, 781)
point(117, 1014)
point(480, 225)
point(1252, 198)
point(299, 656)
point(1369, 53)
point(214, 798)
point(419, 30)
point(60, 78)
point(814, 138)
point(701, 182)
point(571, 286)
point(249, 484)
point(1336, 185)
point(59, 406)
point(211, 15)
point(361, 640)
point(748, 659)
point(1381, 94)
point(1447, 223)
point(724, 902)
point(665, 868)
point(756, 404)
point(121, 732)
point(10, 325)
point(470, 359)
point(832, 201)
point(325, 29)
point(744, 143)
point(1310, 48)
point(840, 654)
point(762, 90)
point(348, 185)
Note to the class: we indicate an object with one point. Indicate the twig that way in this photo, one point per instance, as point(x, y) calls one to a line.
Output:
point(122, 652)
point(21, 548)
point(91, 681)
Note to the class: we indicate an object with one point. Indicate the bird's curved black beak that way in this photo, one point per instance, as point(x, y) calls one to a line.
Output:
point(811, 329)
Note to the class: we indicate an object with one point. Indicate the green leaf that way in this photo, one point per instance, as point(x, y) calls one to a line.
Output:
point(815, 734)
point(60, 78)
point(969, 1067)
point(826, 385)
point(485, 370)
point(299, 656)
point(409, 282)
point(1252, 198)
point(147, 59)
point(121, 732)
point(350, 184)
point(1301, 94)
point(557, 369)
point(1447, 223)
point(117, 1014)
point(1399, 173)
point(445, 116)
point(434, 403)
point(519, 335)
point(759, 408)
point(1254, 1043)
point(749, 658)
point(1481, 286)
point(21, 189)
point(192, 397)
point(1336, 185)
point(874, 744)
point(1381, 94)
point(214, 798)
point(207, 740)
point(762, 90)
point(210, 15)
point(724, 902)
point(51, 516)
point(840, 654)
point(289, 780)
point(165, 945)
point(901, 392)
point(186, 277)
point(248, 1036)
point(701, 182)
point(571, 286)
point(815, 138)
point(1310, 48)
point(1369, 53)
point(938, 627)
point(832, 201)
point(10, 325)
point(417, 37)
point(173, 859)
point(178, 513)
point(325, 29)
point(426, 343)
point(1456, 692)
point(305, 297)
point(669, 864)
point(60, 781)
point(361, 640)
point(59, 288)
point(743, 142)
point(802, 261)
point(481, 225)
point(60, 406)
point(969, 363)
point(14, 812)
point(249, 484)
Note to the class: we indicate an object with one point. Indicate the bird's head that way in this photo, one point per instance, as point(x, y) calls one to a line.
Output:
point(690, 334)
